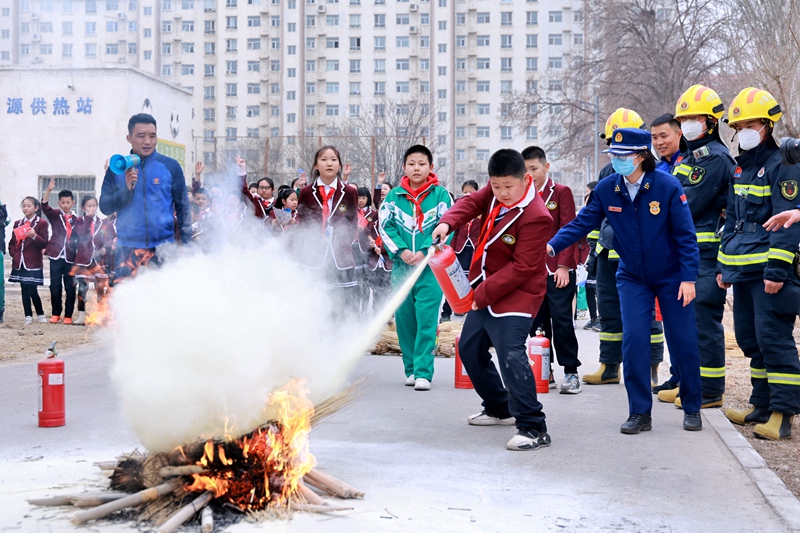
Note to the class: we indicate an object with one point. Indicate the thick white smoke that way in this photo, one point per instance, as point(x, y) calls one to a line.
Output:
point(202, 341)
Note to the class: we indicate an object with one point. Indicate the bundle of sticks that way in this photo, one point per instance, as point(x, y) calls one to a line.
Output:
point(162, 485)
point(388, 343)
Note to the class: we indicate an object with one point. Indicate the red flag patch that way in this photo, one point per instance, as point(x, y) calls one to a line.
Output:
point(683, 199)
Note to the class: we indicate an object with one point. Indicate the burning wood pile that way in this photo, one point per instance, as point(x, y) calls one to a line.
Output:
point(267, 472)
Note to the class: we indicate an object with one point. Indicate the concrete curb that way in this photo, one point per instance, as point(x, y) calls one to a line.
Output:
point(778, 496)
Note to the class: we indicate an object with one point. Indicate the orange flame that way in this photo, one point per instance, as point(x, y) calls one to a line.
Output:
point(263, 468)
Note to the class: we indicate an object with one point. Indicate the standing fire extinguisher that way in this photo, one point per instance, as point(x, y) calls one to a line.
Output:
point(52, 410)
point(451, 278)
point(539, 359)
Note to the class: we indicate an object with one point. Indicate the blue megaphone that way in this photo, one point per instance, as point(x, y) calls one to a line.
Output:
point(120, 163)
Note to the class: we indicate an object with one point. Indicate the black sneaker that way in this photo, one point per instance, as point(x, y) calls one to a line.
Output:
point(528, 439)
point(667, 385)
point(589, 325)
point(444, 319)
point(636, 424)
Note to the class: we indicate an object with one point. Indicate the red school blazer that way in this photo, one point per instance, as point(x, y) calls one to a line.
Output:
point(513, 272)
point(560, 203)
point(343, 221)
point(28, 252)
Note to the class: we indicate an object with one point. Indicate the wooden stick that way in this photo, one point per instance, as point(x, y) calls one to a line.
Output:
point(79, 500)
point(309, 495)
point(207, 521)
point(317, 508)
point(333, 486)
point(172, 471)
point(144, 496)
point(185, 513)
point(93, 500)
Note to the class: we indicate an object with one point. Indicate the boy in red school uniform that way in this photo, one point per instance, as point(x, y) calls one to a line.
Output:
point(555, 314)
point(85, 251)
point(327, 211)
point(61, 221)
point(508, 273)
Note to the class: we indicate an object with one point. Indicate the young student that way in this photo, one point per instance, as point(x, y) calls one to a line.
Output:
point(204, 216)
point(328, 212)
point(253, 188)
point(379, 264)
point(408, 215)
point(509, 276)
point(284, 210)
point(84, 249)
point(464, 239)
point(28, 240)
point(555, 314)
point(61, 221)
point(363, 246)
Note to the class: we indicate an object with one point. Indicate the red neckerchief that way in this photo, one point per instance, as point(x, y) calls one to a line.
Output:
point(488, 226)
point(326, 209)
point(68, 224)
point(416, 196)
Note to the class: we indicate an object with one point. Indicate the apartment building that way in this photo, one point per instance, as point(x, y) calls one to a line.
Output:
point(284, 69)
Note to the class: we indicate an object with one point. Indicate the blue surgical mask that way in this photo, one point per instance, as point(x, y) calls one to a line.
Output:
point(623, 166)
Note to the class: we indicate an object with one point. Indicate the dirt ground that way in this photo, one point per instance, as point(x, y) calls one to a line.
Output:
point(782, 457)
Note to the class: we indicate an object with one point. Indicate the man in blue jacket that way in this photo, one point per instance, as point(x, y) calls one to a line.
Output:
point(655, 238)
point(150, 200)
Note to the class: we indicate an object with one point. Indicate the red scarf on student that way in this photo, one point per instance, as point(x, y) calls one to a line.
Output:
point(488, 226)
point(416, 196)
point(68, 224)
point(326, 209)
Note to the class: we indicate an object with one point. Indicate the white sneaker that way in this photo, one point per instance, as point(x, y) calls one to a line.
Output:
point(80, 320)
point(410, 381)
point(571, 384)
point(28, 320)
point(485, 419)
point(528, 439)
point(42, 319)
point(422, 384)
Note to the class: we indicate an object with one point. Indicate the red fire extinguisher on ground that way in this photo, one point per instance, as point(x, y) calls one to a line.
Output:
point(52, 411)
point(539, 359)
point(462, 379)
point(451, 278)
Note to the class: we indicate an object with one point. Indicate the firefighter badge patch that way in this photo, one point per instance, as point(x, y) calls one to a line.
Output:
point(655, 208)
point(342, 208)
point(789, 189)
point(508, 239)
point(551, 205)
point(618, 137)
point(697, 175)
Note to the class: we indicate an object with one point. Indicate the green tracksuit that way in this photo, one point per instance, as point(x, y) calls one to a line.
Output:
point(418, 316)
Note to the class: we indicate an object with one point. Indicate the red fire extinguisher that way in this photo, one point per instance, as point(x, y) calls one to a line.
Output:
point(52, 411)
point(462, 379)
point(539, 359)
point(451, 278)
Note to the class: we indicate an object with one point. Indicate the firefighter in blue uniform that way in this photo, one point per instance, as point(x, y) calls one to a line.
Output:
point(655, 238)
point(606, 264)
point(766, 290)
point(704, 171)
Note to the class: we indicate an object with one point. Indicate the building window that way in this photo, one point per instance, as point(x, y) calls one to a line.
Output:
point(505, 64)
point(482, 155)
point(380, 66)
point(355, 43)
point(311, 110)
point(332, 65)
point(554, 62)
point(532, 18)
point(231, 67)
point(166, 70)
point(231, 89)
point(461, 132)
point(554, 16)
point(380, 88)
point(403, 42)
point(355, 66)
point(483, 63)
point(332, 42)
point(531, 41)
point(332, 20)
point(380, 43)
point(209, 93)
point(253, 111)
point(532, 133)
point(402, 19)
point(483, 86)
point(230, 134)
point(187, 69)
point(380, 21)
point(355, 87)
point(442, 71)
point(461, 86)
point(210, 27)
point(231, 23)
point(112, 49)
point(402, 64)
point(166, 49)
point(332, 87)
point(577, 39)
point(332, 110)
point(555, 39)
point(274, 44)
point(209, 114)
point(506, 86)
point(484, 18)
point(291, 95)
point(253, 22)
point(483, 109)
point(505, 133)
point(506, 18)
point(402, 87)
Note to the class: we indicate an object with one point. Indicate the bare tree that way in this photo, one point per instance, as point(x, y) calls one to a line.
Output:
point(639, 54)
point(767, 44)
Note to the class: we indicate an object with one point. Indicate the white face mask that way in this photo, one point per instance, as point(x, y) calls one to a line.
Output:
point(749, 138)
point(691, 129)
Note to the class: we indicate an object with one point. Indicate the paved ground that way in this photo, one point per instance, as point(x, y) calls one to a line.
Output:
point(421, 465)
